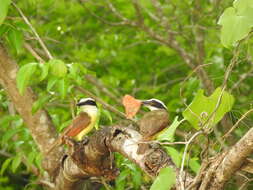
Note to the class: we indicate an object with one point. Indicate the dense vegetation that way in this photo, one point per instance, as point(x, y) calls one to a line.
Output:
point(178, 51)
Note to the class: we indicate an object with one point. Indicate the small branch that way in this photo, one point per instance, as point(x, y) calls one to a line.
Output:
point(233, 160)
point(33, 52)
point(92, 157)
point(236, 124)
point(33, 30)
point(184, 156)
point(40, 125)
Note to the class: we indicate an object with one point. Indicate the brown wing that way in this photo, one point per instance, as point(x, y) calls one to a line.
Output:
point(78, 124)
point(153, 122)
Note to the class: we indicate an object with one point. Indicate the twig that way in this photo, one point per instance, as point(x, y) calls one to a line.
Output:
point(184, 156)
point(33, 52)
point(236, 124)
point(34, 31)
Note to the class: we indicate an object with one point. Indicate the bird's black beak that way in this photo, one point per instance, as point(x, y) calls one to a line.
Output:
point(79, 104)
point(145, 102)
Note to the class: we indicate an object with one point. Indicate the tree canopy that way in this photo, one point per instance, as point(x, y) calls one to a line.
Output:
point(195, 56)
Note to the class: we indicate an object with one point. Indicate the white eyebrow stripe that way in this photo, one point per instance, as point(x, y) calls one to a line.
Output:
point(158, 101)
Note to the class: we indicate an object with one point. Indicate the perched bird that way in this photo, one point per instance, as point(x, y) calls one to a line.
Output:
point(152, 122)
point(82, 124)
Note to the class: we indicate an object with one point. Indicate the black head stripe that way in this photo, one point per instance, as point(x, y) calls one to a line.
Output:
point(88, 102)
point(158, 105)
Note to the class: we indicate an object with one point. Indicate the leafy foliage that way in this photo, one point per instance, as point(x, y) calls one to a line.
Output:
point(208, 110)
point(126, 60)
point(4, 9)
point(165, 180)
point(237, 22)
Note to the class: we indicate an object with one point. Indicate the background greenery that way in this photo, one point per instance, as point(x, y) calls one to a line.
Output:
point(127, 61)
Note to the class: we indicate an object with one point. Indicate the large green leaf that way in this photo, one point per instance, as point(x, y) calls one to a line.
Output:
point(165, 180)
point(236, 22)
point(202, 107)
point(58, 67)
point(169, 132)
point(24, 76)
point(4, 5)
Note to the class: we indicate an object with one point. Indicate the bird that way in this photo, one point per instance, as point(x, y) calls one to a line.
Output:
point(82, 124)
point(153, 122)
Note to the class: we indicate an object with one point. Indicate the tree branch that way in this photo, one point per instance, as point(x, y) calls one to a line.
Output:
point(92, 157)
point(233, 160)
point(39, 124)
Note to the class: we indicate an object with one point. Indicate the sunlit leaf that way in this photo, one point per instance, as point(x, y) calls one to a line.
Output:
point(24, 76)
point(16, 162)
point(174, 154)
point(169, 133)
point(8, 134)
point(58, 67)
point(51, 82)
point(165, 180)
point(236, 22)
point(202, 107)
point(120, 182)
point(63, 87)
point(44, 71)
point(16, 39)
point(5, 165)
point(4, 5)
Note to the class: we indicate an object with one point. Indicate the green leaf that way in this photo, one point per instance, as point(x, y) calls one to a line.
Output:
point(5, 121)
point(16, 162)
point(31, 157)
point(120, 182)
point(16, 39)
point(202, 107)
point(236, 22)
point(169, 132)
point(51, 82)
point(194, 165)
point(24, 76)
point(4, 5)
point(7, 135)
point(40, 103)
point(63, 87)
point(5, 165)
point(174, 154)
point(44, 71)
point(58, 68)
point(165, 180)
point(107, 114)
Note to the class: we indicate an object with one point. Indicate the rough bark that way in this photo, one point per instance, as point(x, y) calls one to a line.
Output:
point(39, 124)
point(93, 158)
point(220, 169)
point(233, 160)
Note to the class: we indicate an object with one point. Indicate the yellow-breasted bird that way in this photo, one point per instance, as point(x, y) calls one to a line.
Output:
point(82, 124)
point(153, 122)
